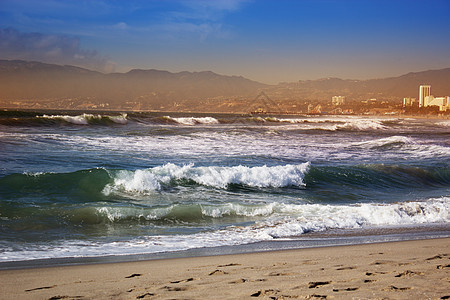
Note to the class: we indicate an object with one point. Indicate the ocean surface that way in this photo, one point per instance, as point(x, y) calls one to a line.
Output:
point(97, 184)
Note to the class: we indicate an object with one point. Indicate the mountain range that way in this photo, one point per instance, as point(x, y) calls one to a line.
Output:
point(72, 87)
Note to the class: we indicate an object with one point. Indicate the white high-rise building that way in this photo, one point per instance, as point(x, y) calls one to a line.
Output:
point(424, 91)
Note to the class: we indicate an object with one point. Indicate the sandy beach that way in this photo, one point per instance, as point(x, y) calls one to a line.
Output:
point(395, 270)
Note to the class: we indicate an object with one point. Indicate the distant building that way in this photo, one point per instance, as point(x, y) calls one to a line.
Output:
point(337, 100)
point(442, 102)
point(424, 91)
point(408, 102)
point(314, 110)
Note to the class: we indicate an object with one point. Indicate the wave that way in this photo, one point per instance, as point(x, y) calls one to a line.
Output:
point(313, 217)
point(406, 144)
point(87, 119)
point(270, 215)
point(328, 124)
point(149, 180)
point(299, 120)
point(278, 220)
point(322, 216)
point(49, 120)
point(96, 184)
point(361, 125)
point(375, 179)
point(192, 120)
point(386, 143)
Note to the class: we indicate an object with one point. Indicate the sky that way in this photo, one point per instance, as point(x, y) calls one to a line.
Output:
point(269, 41)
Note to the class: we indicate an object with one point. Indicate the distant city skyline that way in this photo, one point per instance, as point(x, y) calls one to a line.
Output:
point(267, 41)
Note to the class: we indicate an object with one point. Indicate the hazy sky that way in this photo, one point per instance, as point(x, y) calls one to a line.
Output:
point(265, 40)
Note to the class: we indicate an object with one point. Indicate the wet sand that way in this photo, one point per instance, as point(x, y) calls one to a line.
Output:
point(396, 270)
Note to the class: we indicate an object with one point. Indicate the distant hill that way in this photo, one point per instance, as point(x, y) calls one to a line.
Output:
point(154, 88)
point(393, 88)
point(48, 85)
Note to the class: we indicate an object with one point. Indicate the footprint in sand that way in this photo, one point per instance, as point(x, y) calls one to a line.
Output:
point(175, 289)
point(394, 288)
point(408, 273)
point(315, 296)
point(442, 266)
point(145, 295)
point(439, 256)
point(278, 274)
point(217, 272)
point(315, 284)
point(228, 265)
point(350, 289)
point(183, 280)
point(262, 293)
point(134, 275)
point(345, 268)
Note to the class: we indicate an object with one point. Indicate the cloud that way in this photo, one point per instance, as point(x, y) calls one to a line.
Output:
point(121, 26)
point(200, 19)
point(50, 48)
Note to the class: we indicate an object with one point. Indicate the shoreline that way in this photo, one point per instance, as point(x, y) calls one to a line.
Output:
point(303, 114)
point(330, 238)
point(405, 269)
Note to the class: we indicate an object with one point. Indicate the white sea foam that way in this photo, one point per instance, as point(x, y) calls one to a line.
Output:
point(150, 180)
point(316, 217)
point(193, 120)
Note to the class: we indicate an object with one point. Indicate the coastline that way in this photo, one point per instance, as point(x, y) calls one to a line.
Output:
point(186, 112)
point(406, 269)
point(320, 239)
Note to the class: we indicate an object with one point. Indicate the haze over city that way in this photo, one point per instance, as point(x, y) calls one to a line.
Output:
point(266, 41)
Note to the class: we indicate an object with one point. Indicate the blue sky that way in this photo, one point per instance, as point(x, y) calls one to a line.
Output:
point(266, 40)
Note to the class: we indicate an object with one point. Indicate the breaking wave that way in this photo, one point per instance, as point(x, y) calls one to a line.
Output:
point(313, 217)
point(49, 120)
point(404, 143)
point(361, 125)
point(328, 124)
point(87, 119)
point(279, 221)
point(149, 180)
point(192, 120)
point(388, 142)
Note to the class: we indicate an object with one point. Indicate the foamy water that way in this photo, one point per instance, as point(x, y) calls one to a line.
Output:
point(81, 185)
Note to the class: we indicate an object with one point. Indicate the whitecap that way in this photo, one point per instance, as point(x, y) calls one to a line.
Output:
point(150, 180)
point(193, 120)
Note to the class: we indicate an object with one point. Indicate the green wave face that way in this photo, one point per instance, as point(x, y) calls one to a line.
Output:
point(173, 194)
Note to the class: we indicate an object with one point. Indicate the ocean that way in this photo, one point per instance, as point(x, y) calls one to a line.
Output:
point(86, 185)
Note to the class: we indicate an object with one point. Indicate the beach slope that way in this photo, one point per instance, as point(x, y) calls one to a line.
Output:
point(395, 270)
